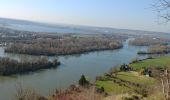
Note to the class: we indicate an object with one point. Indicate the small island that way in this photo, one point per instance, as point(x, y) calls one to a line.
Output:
point(9, 66)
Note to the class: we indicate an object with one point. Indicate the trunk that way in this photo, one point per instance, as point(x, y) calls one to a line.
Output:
point(167, 83)
point(163, 86)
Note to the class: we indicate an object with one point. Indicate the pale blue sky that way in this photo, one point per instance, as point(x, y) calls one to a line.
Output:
point(129, 14)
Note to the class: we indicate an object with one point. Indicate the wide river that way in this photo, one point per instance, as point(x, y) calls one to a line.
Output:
point(73, 66)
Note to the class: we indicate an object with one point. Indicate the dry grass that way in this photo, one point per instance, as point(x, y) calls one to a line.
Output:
point(77, 93)
point(72, 93)
point(27, 94)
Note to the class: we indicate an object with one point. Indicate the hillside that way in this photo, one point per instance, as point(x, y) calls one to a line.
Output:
point(66, 28)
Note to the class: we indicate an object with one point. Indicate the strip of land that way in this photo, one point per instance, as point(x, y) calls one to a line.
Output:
point(149, 41)
point(157, 49)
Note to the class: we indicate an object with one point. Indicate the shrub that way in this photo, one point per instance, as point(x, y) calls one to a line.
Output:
point(83, 81)
point(100, 90)
point(142, 72)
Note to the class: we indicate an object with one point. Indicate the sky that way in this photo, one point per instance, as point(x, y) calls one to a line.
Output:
point(124, 14)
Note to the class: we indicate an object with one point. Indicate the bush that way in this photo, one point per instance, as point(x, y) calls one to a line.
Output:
point(100, 90)
point(83, 81)
point(142, 72)
point(127, 98)
point(144, 91)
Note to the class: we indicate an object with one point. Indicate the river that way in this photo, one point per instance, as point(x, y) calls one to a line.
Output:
point(72, 67)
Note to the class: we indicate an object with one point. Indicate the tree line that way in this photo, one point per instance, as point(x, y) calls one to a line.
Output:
point(148, 41)
point(157, 49)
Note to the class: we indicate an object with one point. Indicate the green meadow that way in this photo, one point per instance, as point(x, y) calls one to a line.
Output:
point(161, 62)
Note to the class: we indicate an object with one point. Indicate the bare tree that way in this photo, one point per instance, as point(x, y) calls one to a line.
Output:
point(163, 9)
point(165, 80)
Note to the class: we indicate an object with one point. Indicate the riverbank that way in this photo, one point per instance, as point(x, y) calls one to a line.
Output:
point(157, 49)
point(136, 84)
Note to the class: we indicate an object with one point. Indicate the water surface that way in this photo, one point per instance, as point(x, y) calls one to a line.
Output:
point(72, 67)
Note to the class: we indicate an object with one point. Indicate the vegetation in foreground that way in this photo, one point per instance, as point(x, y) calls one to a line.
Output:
point(83, 91)
point(9, 66)
point(72, 93)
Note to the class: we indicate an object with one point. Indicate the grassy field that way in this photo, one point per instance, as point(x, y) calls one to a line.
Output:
point(156, 62)
point(134, 77)
point(132, 82)
point(125, 82)
point(110, 87)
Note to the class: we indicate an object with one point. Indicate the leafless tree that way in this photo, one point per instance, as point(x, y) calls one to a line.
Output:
point(163, 9)
point(165, 80)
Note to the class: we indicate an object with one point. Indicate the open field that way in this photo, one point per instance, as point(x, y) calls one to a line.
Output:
point(125, 82)
point(130, 84)
point(156, 62)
